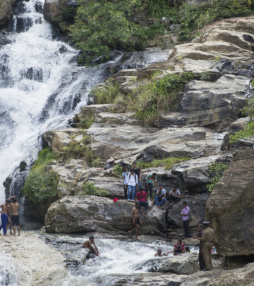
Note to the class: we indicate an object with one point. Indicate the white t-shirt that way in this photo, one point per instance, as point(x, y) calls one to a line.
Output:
point(132, 180)
point(177, 192)
point(162, 193)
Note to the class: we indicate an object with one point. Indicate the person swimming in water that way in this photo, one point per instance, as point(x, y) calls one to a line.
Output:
point(159, 253)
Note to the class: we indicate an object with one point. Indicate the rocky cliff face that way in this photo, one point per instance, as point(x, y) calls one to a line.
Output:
point(230, 207)
point(6, 11)
point(221, 60)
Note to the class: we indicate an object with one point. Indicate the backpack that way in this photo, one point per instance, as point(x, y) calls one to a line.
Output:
point(135, 176)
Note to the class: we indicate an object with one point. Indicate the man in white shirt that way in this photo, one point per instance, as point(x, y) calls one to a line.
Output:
point(132, 182)
point(160, 197)
point(174, 196)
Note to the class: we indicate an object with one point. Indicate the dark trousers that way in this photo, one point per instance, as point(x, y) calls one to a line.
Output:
point(186, 228)
point(149, 188)
point(143, 204)
point(4, 222)
point(201, 259)
point(173, 199)
point(125, 191)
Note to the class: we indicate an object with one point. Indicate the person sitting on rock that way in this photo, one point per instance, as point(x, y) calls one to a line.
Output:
point(160, 197)
point(179, 248)
point(174, 196)
point(132, 182)
point(136, 220)
point(89, 244)
point(142, 200)
point(149, 179)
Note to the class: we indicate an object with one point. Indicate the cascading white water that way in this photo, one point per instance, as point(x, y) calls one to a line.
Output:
point(40, 87)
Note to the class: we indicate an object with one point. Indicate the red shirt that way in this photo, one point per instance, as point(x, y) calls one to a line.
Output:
point(142, 196)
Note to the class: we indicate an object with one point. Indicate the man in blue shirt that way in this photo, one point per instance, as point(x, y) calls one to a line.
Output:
point(124, 177)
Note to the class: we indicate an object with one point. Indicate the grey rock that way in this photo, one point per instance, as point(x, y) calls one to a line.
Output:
point(175, 27)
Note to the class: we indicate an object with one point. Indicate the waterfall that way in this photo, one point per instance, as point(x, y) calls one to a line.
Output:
point(42, 86)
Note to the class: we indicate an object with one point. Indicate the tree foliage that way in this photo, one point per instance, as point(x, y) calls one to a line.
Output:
point(101, 25)
point(216, 170)
point(41, 184)
point(248, 131)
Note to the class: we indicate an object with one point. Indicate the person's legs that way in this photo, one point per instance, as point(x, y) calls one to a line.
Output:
point(156, 200)
point(206, 251)
point(201, 261)
point(187, 229)
point(133, 192)
point(185, 222)
point(125, 192)
point(161, 202)
point(146, 205)
point(4, 222)
point(150, 185)
point(129, 192)
point(139, 185)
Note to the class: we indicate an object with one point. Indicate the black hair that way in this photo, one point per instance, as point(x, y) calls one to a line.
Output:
point(187, 249)
point(154, 174)
point(132, 170)
point(160, 185)
point(159, 249)
point(141, 189)
point(180, 240)
point(201, 225)
point(185, 203)
point(136, 203)
point(14, 199)
point(134, 163)
point(91, 237)
point(8, 201)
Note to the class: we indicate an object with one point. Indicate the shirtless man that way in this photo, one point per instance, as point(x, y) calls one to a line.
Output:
point(15, 215)
point(89, 244)
point(136, 219)
point(4, 216)
point(9, 222)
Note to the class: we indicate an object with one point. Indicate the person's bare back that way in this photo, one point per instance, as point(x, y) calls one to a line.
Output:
point(14, 208)
point(4, 209)
point(89, 244)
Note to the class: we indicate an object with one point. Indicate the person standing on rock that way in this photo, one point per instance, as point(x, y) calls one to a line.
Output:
point(15, 215)
point(4, 216)
point(185, 217)
point(138, 173)
point(136, 219)
point(200, 256)
point(207, 240)
point(150, 179)
point(9, 222)
point(132, 182)
point(142, 200)
point(90, 244)
point(160, 197)
point(125, 175)
point(174, 196)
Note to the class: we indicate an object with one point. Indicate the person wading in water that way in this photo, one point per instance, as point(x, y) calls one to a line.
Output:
point(136, 219)
point(90, 244)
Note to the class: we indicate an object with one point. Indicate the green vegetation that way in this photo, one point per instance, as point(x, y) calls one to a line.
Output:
point(192, 17)
point(41, 184)
point(86, 123)
point(91, 190)
point(248, 130)
point(167, 163)
point(149, 98)
point(118, 170)
point(217, 58)
point(101, 25)
point(217, 170)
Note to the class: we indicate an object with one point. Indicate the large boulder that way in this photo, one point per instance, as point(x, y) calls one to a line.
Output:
point(91, 213)
point(5, 11)
point(183, 264)
point(230, 207)
point(149, 144)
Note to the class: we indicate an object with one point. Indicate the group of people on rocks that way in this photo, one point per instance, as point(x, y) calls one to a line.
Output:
point(10, 216)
